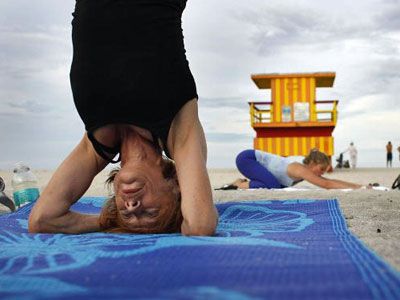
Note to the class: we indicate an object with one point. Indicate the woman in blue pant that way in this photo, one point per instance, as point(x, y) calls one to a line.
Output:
point(266, 170)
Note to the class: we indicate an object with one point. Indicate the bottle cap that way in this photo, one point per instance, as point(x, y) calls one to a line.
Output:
point(20, 167)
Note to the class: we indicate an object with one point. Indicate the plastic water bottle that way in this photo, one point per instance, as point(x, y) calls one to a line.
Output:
point(24, 185)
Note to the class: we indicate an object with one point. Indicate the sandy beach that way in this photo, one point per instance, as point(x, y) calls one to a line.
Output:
point(372, 215)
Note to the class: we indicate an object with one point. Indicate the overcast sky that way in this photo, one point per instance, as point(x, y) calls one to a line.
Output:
point(226, 42)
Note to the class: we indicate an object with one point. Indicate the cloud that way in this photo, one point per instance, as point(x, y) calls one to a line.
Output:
point(28, 106)
point(299, 27)
point(227, 137)
point(274, 27)
point(218, 102)
point(388, 19)
point(27, 54)
point(384, 73)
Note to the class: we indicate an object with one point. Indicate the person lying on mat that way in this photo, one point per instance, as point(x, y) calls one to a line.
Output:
point(266, 170)
point(134, 91)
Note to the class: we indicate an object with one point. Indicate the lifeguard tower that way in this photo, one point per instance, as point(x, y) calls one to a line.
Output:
point(294, 122)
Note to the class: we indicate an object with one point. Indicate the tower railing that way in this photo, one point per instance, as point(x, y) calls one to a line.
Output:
point(326, 110)
point(262, 112)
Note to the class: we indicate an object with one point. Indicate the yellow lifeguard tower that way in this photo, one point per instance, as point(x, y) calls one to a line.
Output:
point(294, 122)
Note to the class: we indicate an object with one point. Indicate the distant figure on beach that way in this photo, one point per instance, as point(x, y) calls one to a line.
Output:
point(398, 149)
point(353, 155)
point(266, 170)
point(389, 154)
point(135, 93)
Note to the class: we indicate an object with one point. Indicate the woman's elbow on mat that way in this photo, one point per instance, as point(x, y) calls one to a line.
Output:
point(199, 228)
point(198, 231)
point(40, 221)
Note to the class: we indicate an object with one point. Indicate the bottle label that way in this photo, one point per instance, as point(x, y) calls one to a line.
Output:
point(25, 196)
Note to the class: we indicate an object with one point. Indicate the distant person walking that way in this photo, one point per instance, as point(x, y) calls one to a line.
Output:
point(353, 155)
point(398, 149)
point(389, 155)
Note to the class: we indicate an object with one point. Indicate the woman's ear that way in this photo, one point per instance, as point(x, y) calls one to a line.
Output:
point(175, 186)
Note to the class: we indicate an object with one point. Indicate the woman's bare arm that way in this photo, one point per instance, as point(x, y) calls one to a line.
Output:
point(51, 213)
point(298, 170)
point(188, 147)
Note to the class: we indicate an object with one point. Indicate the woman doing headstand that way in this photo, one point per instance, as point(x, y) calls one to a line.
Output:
point(134, 91)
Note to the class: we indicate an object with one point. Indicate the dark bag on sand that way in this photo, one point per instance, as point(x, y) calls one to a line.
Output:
point(4, 198)
point(227, 187)
point(396, 183)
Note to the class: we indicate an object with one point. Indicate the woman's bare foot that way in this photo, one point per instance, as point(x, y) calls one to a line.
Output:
point(237, 184)
point(241, 183)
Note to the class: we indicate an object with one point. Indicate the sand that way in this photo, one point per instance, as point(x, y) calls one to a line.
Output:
point(372, 215)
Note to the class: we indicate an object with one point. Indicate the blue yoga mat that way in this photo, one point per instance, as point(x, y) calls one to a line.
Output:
point(297, 249)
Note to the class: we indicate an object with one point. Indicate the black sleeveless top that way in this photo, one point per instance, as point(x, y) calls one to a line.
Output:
point(129, 66)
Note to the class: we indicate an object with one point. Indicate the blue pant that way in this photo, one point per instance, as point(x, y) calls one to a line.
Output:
point(260, 177)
